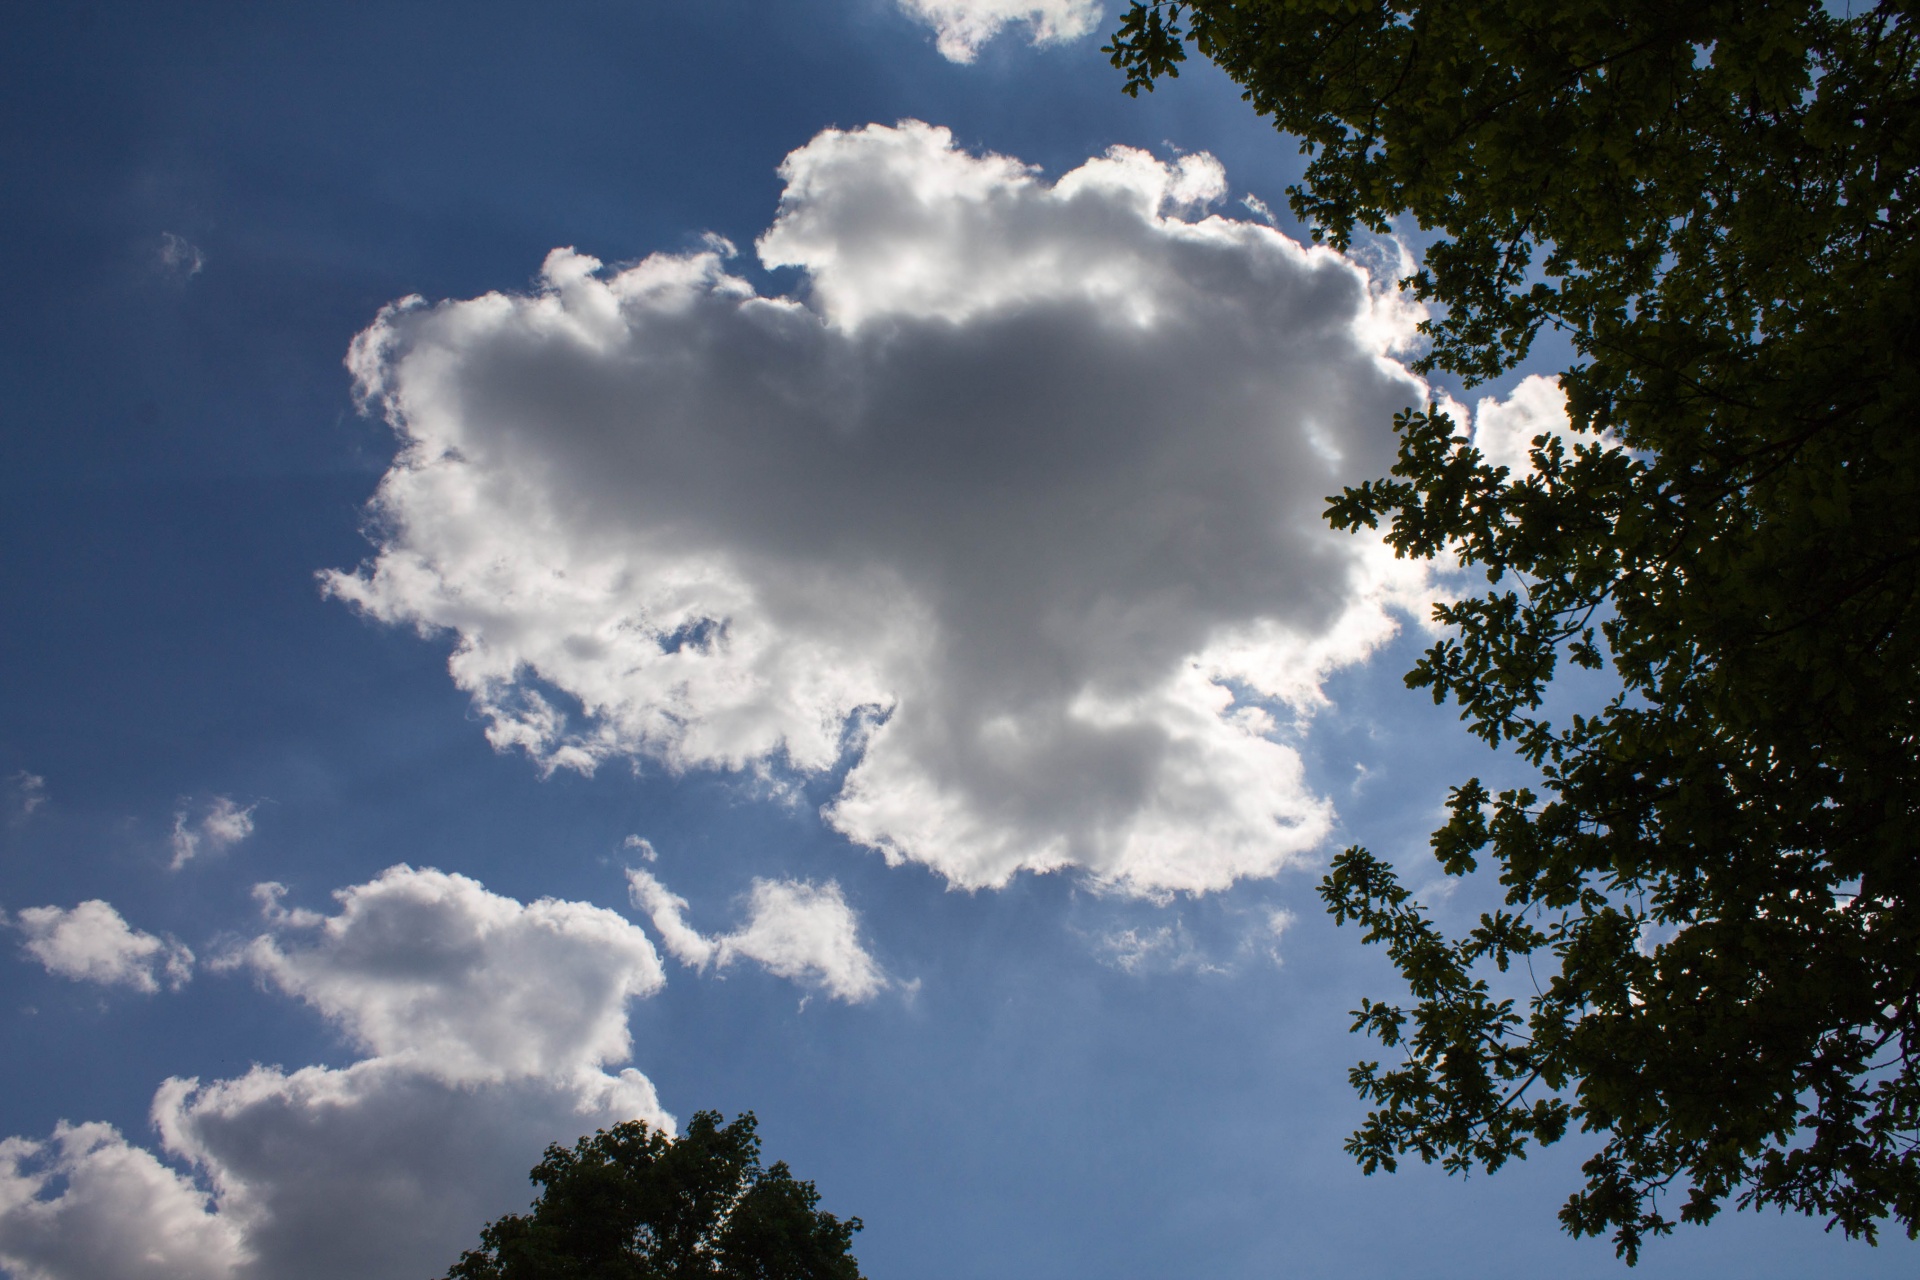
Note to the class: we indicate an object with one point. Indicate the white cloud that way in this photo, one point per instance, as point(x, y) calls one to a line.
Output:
point(93, 943)
point(26, 792)
point(962, 26)
point(431, 970)
point(221, 824)
point(1021, 506)
point(490, 1026)
point(408, 1164)
point(668, 911)
point(1504, 430)
point(796, 930)
point(1278, 920)
point(120, 1215)
point(373, 1171)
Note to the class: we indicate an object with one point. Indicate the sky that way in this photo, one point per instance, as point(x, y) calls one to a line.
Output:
point(595, 561)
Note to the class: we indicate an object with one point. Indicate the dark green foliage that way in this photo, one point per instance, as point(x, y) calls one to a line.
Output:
point(1714, 888)
point(630, 1203)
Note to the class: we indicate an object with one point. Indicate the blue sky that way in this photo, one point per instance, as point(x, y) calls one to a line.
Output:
point(861, 648)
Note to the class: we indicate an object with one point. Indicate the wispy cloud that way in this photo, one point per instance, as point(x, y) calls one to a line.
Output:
point(796, 930)
point(25, 793)
point(179, 257)
point(209, 828)
point(1170, 946)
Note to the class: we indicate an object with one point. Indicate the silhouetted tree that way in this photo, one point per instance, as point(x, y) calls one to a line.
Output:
point(1716, 881)
point(631, 1203)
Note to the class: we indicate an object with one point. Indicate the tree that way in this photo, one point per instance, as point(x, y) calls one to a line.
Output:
point(631, 1203)
point(1713, 882)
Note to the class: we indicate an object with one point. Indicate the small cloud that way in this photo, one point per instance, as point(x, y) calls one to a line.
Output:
point(25, 793)
point(269, 894)
point(92, 943)
point(643, 847)
point(220, 825)
point(802, 931)
point(1279, 920)
point(961, 27)
point(668, 910)
point(1167, 949)
point(180, 257)
point(1130, 950)
point(795, 930)
point(1437, 892)
point(1172, 948)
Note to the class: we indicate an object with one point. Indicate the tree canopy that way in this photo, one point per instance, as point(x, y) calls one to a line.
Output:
point(631, 1203)
point(1712, 885)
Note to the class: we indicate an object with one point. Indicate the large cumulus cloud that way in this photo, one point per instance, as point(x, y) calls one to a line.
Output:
point(489, 1025)
point(1017, 505)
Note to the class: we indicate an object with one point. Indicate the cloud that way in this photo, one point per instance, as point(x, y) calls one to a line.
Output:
point(121, 1214)
point(1279, 920)
point(490, 1027)
point(25, 792)
point(92, 943)
point(668, 911)
point(796, 930)
point(1016, 509)
point(370, 1171)
point(1171, 947)
point(1504, 430)
point(431, 970)
point(962, 26)
point(179, 257)
point(1166, 948)
point(221, 825)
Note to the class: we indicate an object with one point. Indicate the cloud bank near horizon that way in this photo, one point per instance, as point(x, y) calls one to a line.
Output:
point(1016, 508)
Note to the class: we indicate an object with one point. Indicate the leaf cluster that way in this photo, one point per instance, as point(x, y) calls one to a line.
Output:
point(632, 1203)
point(1719, 869)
